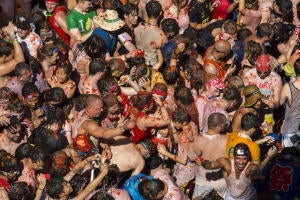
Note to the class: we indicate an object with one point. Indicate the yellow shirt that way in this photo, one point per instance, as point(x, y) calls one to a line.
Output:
point(234, 139)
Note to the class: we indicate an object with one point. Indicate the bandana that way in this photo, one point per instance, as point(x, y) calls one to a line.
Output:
point(147, 104)
point(159, 92)
point(263, 63)
point(217, 83)
point(32, 95)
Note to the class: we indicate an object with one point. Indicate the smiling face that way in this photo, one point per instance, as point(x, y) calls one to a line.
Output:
point(240, 162)
point(50, 6)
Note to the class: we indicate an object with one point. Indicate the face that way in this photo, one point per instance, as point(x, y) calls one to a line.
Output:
point(113, 113)
point(37, 165)
point(52, 59)
point(31, 102)
point(86, 5)
point(67, 188)
point(14, 135)
point(22, 33)
point(264, 74)
point(61, 75)
point(95, 109)
point(240, 162)
point(178, 126)
point(26, 76)
point(213, 91)
point(132, 18)
point(50, 6)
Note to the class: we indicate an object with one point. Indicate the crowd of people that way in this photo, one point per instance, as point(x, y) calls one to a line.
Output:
point(149, 99)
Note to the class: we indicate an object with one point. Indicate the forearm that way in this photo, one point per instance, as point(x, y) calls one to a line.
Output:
point(18, 53)
point(232, 7)
point(174, 157)
point(39, 193)
point(112, 132)
point(76, 169)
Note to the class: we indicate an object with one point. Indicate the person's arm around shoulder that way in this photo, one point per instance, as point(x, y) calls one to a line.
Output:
point(18, 53)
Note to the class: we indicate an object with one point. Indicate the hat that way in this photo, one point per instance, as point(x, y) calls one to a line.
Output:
point(263, 63)
point(110, 21)
point(252, 95)
point(217, 83)
point(241, 149)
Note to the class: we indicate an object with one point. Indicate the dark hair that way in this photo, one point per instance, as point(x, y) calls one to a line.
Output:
point(9, 163)
point(155, 162)
point(94, 47)
point(171, 75)
point(197, 80)
point(254, 50)
point(78, 182)
point(129, 8)
point(23, 151)
point(184, 95)
point(19, 191)
point(55, 94)
point(297, 67)
point(107, 84)
point(170, 25)
point(141, 99)
point(66, 66)
point(215, 119)
point(36, 154)
point(97, 66)
point(248, 121)
point(6, 50)
point(243, 34)
point(14, 122)
point(149, 189)
point(286, 9)
point(230, 27)
point(264, 29)
point(112, 177)
point(45, 51)
point(54, 187)
point(153, 9)
point(181, 115)
point(149, 146)
point(60, 164)
point(142, 70)
point(29, 88)
point(20, 67)
point(232, 94)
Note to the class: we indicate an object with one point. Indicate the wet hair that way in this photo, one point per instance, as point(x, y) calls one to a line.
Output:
point(215, 119)
point(7, 94)
point(264, 29)
point(133, 61)
point(197, 80)
point(112, 177)
point(110, 100)
point(142, 70)
point(230, 27)
point(60, 164)
point(29, 88)
point(35, 153)
point(231, 94)
point(16, 106)
point(55, 94)
point(20, 67)
point(116, 64)
point(54, 187)
point(297, 67)
point(45, 51)
point(141, 99)
point(170, 25)
point(248, 121)
point(243, 34)
point(154, 162)
point(129, 8)
point(236, 81)
point(181, 115)
point(8, 163)
point(79, 103)
point(190, 64)
point(171, 75)
point(14, 122)
point(149, 146)
point(56, 115)
point(67, 67)
point(6, 50)
point(107, 84)
point(161, 87)
point(78, 182)
point(282, 32)
point(94, 47)
point(149, 189)
point(153, 9)
point(184, 95)
point(254, 50)
point(97, 66)
point(286, 10)
point(19, 191)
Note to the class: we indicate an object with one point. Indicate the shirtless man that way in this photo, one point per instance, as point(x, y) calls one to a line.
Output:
point(85, 125)
point(7, 66)
point(237, 172)
point(209, 146)
point(214, 62)
point(10, 136)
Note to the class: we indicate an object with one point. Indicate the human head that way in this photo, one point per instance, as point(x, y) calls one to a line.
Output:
point(146, 147)
point(94, 105)
point(230, 29)
point(142, 70)
point(144, 101)
point(216, 120)
point(233, 97)
point(285, 9)
point(5, 52)
point(253, 50)
point(51, 5)
point(221, 49)
point(23, 27)
point(111, 107)
point(171, 75)
point(55, 96)
point(180, 118)
point(6, 96)
point(85, 5)
point(60, 164)
point(183, 96)
point(10, 167)
point(198, 80)
point(263, 67)
point(19, 191)
point(252, 4)
point(249, 121)
point(252, 95)
point(170, 27)
point(23, 72)
point(48, 54)
point(63, 72)
point(214, 86)
point(94, 47)
point(160, 89)
point(242, 156)
point(14, 131)
point(264, 30)
point(237, 82)
point(30, 94)
point(58, 187)
point(108, 85)
point(130, 13)
point(152, 189)
point(117, 67)
point(153, 9)
point(97, 66)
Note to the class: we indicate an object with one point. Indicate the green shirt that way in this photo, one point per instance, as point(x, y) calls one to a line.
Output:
point(81, 21)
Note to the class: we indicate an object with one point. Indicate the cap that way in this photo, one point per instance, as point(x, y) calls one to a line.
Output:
point(241, 149)
point(252, 95)
point(23, 23)
point(263, 63)
point(217, 83)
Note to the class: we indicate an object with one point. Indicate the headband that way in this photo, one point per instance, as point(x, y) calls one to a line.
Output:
point(147, 104)
point(159, 92)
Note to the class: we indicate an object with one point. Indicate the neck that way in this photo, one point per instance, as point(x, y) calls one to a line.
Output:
point(130, 25)
point(248, 133)
point(79, 9)
point(211, 132)
point(152, 21)
point(213, 55)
